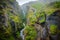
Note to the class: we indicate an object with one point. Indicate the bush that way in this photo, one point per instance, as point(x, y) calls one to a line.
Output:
point(30, 33)
point(53, 29)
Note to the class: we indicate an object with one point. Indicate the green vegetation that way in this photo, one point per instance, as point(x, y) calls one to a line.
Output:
point(12, 19)
point(40, 16)
point(53, 29)
point(30, 33)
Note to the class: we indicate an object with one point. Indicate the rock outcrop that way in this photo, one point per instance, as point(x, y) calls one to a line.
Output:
point(10, 13)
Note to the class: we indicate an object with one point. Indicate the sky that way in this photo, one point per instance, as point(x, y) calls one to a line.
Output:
point(21, 2)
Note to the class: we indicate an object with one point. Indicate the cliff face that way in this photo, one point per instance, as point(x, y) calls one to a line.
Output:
point(52, 12)
point(10, 20)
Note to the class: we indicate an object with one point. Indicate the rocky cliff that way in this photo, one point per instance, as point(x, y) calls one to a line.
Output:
point(10, 20)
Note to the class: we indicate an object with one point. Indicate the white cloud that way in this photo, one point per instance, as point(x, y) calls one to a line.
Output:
point(21, 2)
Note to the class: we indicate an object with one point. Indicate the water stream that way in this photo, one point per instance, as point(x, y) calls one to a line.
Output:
point(22, 31)
point(21, 34)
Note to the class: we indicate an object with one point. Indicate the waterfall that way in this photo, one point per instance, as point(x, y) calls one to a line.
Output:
point(22, 32)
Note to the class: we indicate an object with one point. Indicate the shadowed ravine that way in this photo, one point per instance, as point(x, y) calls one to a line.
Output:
point(22, 31)
point(34, 20)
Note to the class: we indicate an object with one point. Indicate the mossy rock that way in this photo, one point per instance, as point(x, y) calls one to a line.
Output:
point(53, 29)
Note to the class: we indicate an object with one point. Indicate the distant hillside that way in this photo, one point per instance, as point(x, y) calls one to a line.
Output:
point(35, 4)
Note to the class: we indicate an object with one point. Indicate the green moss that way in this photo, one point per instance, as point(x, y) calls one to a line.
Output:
point(53, 29)
point(33, 19)
point(42, 17)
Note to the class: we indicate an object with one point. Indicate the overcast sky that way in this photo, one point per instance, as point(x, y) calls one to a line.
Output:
point(21, 2)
